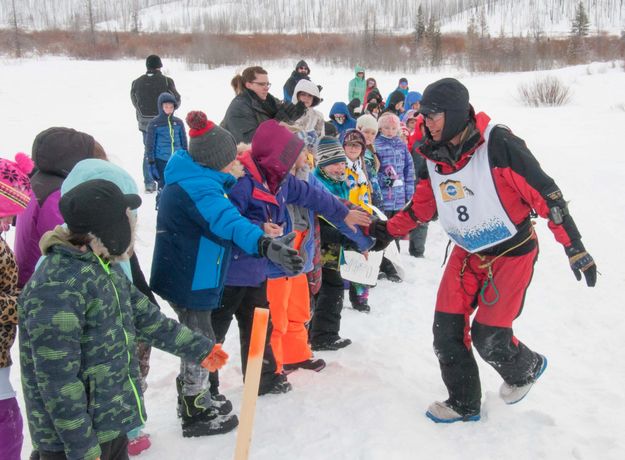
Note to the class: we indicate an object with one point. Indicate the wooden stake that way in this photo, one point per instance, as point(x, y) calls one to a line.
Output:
point(252, 380)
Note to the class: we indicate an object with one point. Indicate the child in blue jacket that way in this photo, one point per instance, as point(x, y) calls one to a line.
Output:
point(165, 135)
point(196, 231)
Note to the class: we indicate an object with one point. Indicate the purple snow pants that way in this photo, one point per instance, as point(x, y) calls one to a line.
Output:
point(11, 425)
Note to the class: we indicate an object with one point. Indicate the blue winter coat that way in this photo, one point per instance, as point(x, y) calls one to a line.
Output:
point(196, 229)
point(254, 200)
point(396, 174)
point(165, 133)
point(349, 123)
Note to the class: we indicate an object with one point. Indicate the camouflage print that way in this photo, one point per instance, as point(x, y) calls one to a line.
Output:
point(80, 321)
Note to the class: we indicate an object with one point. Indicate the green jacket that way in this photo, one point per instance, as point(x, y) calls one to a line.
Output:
point(357, 86)
point(79, 322)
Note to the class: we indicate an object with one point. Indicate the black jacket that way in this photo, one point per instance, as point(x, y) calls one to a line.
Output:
point(291, 82)
point(247, 111)
point(144, 93)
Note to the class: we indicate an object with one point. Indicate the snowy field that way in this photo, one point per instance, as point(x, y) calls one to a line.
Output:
point(369, 402)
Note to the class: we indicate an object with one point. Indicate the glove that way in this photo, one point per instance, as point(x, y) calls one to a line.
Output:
point(215, 359)
point(154, 171)
point(582, 262)
point(349, 244)
point(294, 111)
point(377, 230)
point(278, 250)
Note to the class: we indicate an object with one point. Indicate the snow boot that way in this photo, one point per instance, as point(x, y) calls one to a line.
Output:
point(219, 401)
point(442, 412)
point(313, 364)
point(361, 306)
point(277, 385)
point(512, 394)
point(199, 419)
point(331, 345)
point(139, 444)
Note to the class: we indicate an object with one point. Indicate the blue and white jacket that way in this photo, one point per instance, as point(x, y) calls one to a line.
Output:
point(196, 228)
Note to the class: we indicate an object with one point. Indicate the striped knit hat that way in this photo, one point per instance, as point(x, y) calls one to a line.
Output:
point(15, 185)
point(209, 144)
point(329, 151)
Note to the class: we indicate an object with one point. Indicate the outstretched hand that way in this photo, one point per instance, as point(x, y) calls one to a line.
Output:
point(357, 217)
point(378, 230)
point(216, 359)
point(280, 252)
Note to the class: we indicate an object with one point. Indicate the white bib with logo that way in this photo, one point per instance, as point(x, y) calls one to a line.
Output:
point(469, 208)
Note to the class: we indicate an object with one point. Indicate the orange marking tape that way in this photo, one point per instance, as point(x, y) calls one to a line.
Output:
point(252, 380)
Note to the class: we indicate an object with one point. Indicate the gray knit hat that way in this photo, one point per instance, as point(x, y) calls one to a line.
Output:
point(209, 145)
point(329, 151)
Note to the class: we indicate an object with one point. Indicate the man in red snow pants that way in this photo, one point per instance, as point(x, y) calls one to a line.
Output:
point(483, 184)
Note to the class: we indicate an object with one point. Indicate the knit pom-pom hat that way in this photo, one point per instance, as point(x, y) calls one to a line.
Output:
point(15, 184)
point(209, 144)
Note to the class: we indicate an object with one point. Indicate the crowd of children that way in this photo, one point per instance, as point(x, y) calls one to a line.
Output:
point(263, 224)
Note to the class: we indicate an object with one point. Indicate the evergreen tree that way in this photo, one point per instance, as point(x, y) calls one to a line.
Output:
point(419, 27)
point(580, 24)
point(435, 41)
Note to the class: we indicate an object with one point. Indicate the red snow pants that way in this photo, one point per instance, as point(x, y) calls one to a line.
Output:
point(494, 289)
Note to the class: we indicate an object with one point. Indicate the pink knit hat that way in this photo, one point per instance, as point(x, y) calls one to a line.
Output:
point(14, 184)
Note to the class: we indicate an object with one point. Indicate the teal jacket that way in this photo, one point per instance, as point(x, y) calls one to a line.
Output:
point(80, 320)
point(357, 86)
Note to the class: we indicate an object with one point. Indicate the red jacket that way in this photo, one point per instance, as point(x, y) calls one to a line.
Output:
point(522, 186)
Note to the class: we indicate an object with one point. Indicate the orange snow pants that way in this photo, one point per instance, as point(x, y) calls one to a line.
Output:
point(289, 303)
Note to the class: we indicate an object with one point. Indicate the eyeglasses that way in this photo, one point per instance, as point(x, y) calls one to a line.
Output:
point(264, 84)
point(339, 117)
point(433, 116)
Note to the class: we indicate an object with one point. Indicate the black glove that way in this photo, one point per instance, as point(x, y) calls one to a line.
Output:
point(348, 244)
point(278, 250)
point(294, 111)
point(377, 230)
point(582, 262)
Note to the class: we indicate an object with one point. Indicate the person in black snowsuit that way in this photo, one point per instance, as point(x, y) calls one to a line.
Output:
point(144, 94)
point(253, 104)
point(302, 71)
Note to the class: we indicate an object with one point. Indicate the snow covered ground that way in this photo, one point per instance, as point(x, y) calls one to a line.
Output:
point(369, 402)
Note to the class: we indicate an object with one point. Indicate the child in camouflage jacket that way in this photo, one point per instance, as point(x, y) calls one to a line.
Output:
point(80, 318)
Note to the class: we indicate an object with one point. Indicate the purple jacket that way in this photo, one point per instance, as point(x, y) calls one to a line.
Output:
point(396, 174)
point(30, 227)
point(254, 200)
